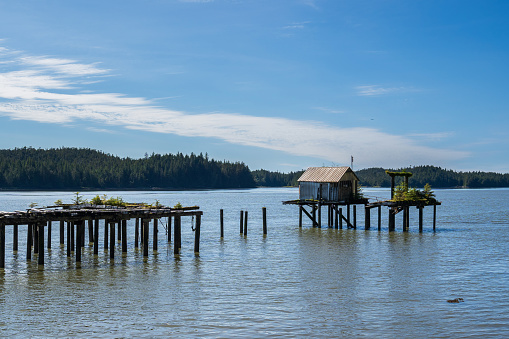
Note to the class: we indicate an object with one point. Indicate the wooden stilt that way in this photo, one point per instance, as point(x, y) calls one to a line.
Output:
point(36, 238)
point(405, 213)
point(73, 225)
point(434, 217)
point(49, 235)
point(68, 239)
point(146, 225)
point(300, 215)
point(2, 246)
point(62, 236)
point(90, 231)
point(221, 223)
point(154, 236)
point(241, 222)
point(15, 238)
point(348, 216)
point(315, 224)
point(340, 217)
point(136, 232)
point(112, 239)
point(119, 236)
point(177, 235)
point(379, 218)
point(245, 223)
point(40, 240)
point(420, 217)
point(197, 234)
point(336, 215)
point(124, 236)
point(29, 241)
point(96, 236)
point(319, 214)
point(392, 220)
point(367, 218)
point(264, 218)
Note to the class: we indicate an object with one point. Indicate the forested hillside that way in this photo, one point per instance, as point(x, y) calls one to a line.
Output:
point(436, 177)
point(276, 179)
point(78, 168)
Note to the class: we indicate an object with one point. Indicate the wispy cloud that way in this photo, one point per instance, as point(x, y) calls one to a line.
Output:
point(329, 110)
point(375, 90)
point(39, 90)
point(297, 25)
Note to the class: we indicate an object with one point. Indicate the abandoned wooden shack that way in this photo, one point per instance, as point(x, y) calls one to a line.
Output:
point(331, 187)
point(339, 186)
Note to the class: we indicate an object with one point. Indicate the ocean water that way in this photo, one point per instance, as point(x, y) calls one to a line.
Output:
point(295, 282)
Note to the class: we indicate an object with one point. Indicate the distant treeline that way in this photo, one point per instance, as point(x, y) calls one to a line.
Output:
point(81, 168)
point(276, 179)
point(435, 176)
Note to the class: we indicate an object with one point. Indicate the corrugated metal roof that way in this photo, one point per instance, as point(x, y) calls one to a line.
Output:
point(324, 174)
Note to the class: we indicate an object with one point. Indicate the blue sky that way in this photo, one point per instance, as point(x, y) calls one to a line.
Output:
point(280, 84)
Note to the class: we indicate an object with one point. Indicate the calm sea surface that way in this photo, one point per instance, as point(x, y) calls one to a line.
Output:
point(296, 282)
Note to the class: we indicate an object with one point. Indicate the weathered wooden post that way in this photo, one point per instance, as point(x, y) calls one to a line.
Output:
point(241, 222)
point(119, 236)
point(319, 214)
point(264, 217)
point(405, 213)
point(420, 217)
point(434, 217)
point(35, 234)
point(340, 217)
point(245, 224)
point(336, 215)
point(154, 236)
point(136, 232)
point(124, 236)
point(392, 219)
point(300, 215)
point(197, 234)
point(221, 223)
point(348, 223)
point(40, 240)
point(112, 239)
point(2, 246)
point(15, 238)
point(68, 239)
point(379, 218)
point(176, 235)
point(62, 232)
point(313, 211)
point(96, 236)
point(29, 242)
point(73, 224)
point(146, 225)
point(49, 234)
point(367, 218)
point(90, 231)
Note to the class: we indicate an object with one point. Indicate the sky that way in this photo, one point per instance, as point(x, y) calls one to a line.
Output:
point(277, 84)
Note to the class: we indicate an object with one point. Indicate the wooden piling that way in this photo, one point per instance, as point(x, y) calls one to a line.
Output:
point(112, 239)
point(245, 224)
point(40, 240)
point(145, 228)
point(392, 220)
point(96, 236)
point(29, 242)
point(176, 235)
point(221, 223)
point(313, 211)
point(154, 235)
point(136, 232)
point(124, 236)
point(264, 218)
point(15, 238)
point(49, 235)
point(340, 217)
point(35, 235)
point(434, 217)
point(300, 215)
point(367, 218)
point(90, 231)
point(379, 218)
point(197, 234)
point(62, 237)
point(336, 215)
point(405, 213)
point(2, 246)
point(319, 214)
point(355, 216)
point(241, 222)
point(420, 217)
point(68, 239)
point(73, 224)
point(119, 236)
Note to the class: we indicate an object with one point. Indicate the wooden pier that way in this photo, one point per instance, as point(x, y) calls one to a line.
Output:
point(73, 221)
